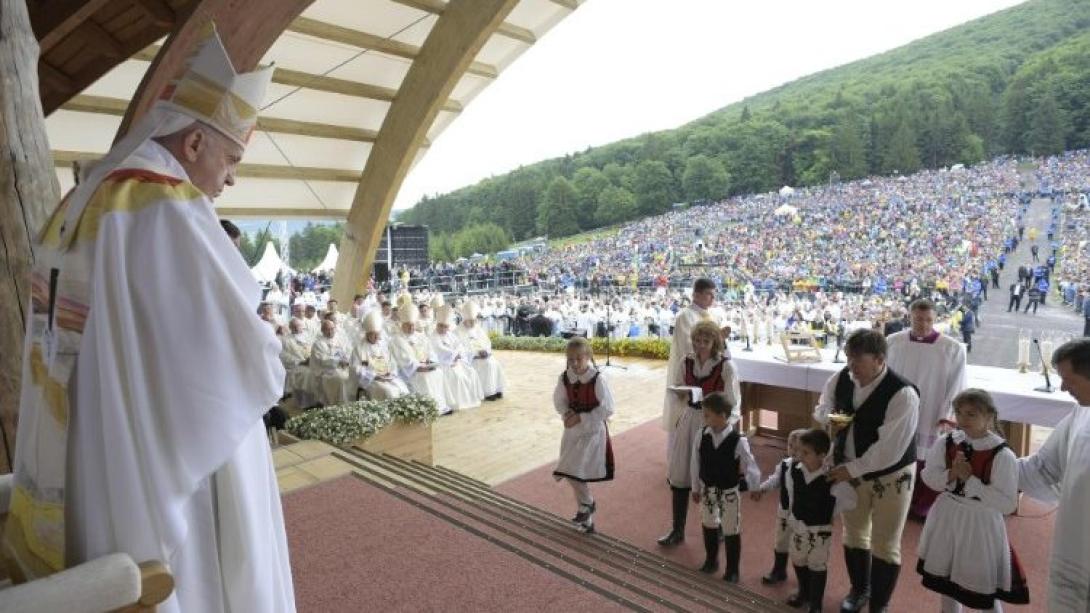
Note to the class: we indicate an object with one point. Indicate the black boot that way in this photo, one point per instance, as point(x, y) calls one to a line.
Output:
point(733, 544)
point(817, 590)
point(711, 550)
point(778, 574)
point(681, 509)
point(883, 581)
point(801, 598)
point(858, 562)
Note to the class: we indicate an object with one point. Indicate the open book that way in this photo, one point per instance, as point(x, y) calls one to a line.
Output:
point(695, 394)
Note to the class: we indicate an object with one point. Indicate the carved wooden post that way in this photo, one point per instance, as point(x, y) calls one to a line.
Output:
point(28, 191)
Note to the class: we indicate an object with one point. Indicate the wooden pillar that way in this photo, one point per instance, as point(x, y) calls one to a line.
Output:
point(28, 191)
point(455, 39)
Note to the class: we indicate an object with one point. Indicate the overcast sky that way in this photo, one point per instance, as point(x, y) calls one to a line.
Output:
point(618, 68)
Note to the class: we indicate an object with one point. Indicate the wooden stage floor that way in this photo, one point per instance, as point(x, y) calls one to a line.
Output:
point(504, 439)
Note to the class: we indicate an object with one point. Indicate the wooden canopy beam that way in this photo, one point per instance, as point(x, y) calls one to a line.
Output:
point(455, 39)
point(257, 171)
point(54, 20)
point(117, 106)
point(322, 83)
point(158, 11)
point(437, 7)
point(571, 5)
point(366, 40)
point(246, 39)
point(282, 213)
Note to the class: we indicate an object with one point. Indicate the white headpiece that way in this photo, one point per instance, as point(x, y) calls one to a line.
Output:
point(437, 301)
point(372, 322)
point(210, 90)
point(470, 310)
point(407, 313)
point(445, 315)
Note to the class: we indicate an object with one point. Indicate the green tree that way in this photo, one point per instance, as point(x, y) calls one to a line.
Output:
point(441, 248)
point(483, 238)
point(654, 187)
point(704, 177)
point(557, 215)
point(901, 154)
point(848, 150)
point(309, 246)
point(589, 183)
point(1046, 134)
point(619, 175)
point(615, 204)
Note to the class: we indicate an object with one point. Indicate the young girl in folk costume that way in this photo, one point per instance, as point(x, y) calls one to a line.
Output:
point(964, 552)
point(708, 369)
point(778, 480)
point(583, 401)
point(721, 466)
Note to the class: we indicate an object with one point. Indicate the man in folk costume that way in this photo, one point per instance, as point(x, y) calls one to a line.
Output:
point(702, 309)
point(329, 359)
point(874, 413)
point(459, 378)
point(141, 434)
point(1060, 471)
point(473, 336)
point(294, 355)
point(373, 365)
point(415, 360)
point(935, 364)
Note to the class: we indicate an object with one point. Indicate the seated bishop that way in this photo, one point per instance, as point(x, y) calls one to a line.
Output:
point(373, 365)
point(475, 338)
point(414, 359)
point(295, 356)
point(329, 360)
point(459, 378)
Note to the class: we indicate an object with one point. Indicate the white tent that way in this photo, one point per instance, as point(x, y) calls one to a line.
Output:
point(330, 261)
point(787, 190)
point(270, 265)
point(785, 209)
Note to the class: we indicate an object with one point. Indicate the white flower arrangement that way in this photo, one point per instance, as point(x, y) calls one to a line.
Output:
point(344, 424)
point(413, 409)
point(340, 424)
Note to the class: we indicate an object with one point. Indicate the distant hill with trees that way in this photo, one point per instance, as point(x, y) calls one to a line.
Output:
point(1015, 82)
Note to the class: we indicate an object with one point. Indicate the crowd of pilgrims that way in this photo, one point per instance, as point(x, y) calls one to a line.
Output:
point(380, 351)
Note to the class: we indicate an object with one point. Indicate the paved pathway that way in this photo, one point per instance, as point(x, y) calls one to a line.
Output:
point(996, 340)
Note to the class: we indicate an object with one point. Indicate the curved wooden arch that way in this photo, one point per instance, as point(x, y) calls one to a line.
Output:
point(463, 27)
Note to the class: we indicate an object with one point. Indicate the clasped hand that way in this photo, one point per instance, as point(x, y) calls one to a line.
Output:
point(571, 419)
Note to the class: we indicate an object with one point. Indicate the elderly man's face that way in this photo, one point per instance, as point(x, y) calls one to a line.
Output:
point(210, 159)
point(372, 337)
point(327, 329)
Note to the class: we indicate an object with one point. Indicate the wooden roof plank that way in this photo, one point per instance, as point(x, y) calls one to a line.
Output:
point(56, 19)
point(256, 171)
point(436, 7)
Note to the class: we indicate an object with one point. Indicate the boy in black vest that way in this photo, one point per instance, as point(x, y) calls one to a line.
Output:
point(778, 480)
point(722, 466)
point(874, 413)
point(814, 501)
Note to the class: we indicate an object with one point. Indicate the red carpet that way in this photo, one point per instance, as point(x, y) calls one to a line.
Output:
point(636, 508)
point(357, 548)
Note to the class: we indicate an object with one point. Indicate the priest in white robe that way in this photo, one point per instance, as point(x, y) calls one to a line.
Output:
point(295, 356)
point(373, 365)
point(416, 361)
point(702, 308)
point(935, 364)
point(142, 434)
point(1060, 471)
point(329, 361)
point(459, 378)
point(473, 336)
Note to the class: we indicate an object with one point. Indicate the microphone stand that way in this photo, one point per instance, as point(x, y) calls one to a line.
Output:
point(1047, 387)
point(609, 333)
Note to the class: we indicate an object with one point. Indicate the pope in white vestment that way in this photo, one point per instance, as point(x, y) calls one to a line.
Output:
point(143, 434)
point(294, 353)
point(1060, 471)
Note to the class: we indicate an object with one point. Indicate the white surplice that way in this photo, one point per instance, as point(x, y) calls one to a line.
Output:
point(167, 454)
point(1060, 470)
point(489, 371)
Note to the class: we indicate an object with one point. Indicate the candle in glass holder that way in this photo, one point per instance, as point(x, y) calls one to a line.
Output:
point(1023, 350)
point(756, 330)
point(1046, 351)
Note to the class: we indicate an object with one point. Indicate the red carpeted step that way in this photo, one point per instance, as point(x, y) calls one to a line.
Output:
point(599, 543)
point(617, 563)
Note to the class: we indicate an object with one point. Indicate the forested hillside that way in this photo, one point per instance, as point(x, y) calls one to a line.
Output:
point(1017, 81)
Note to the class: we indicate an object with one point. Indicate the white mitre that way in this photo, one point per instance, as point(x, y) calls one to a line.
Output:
point(209, 90)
